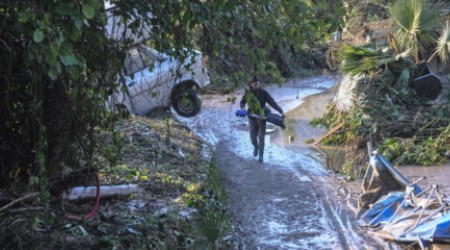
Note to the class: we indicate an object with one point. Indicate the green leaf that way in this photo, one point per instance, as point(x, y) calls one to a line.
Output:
point(58, 67)
point(52, 218)
point(69, 59)
point(65, 9)
point(41, 159)
point(47, 19)
point(38, 36)
point(83, 231)
point(88, 11)
point(53, 73)
point(51, 56)
point(77, 20)
point(68, 226)
point(73, 32)
point(34, 180)
point(24, 16)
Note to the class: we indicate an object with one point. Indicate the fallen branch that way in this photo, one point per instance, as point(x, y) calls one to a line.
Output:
point(18, 200)
point(330, 132)
point(25, 209)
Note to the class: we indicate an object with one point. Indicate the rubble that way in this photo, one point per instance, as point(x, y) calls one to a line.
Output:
point(396, 209)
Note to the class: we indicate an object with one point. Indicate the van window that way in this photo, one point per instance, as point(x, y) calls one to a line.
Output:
point(137, 61)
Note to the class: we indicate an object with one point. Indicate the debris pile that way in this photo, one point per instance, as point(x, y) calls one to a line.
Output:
point(394, 208)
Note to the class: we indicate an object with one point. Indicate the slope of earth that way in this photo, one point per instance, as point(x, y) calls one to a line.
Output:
point(173, 179)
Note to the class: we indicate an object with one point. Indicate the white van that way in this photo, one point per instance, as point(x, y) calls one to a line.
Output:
point(154, 79)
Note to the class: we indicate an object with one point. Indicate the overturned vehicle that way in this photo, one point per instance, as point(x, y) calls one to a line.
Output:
point(154, 79)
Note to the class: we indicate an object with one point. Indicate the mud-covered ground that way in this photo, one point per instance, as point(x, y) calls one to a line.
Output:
point(291, 201)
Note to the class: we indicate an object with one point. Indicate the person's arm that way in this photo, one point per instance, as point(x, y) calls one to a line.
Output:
point(273, 104)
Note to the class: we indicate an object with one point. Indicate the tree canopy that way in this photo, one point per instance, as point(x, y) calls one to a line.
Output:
point(58, 67)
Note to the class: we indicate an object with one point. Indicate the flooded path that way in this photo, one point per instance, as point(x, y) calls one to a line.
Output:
point(289, 201)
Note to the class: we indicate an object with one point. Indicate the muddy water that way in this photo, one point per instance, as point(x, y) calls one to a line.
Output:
point(289, 201)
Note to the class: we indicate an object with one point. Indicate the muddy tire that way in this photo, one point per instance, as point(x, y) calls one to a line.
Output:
point(187, 103)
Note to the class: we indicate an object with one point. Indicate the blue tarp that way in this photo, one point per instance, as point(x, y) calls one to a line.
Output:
point(384, 209)
point(410, 215)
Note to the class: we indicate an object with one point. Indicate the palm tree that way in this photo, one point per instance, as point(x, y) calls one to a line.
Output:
point(417, 24)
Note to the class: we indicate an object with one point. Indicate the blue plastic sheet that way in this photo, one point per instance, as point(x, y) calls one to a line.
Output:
point(412, 215)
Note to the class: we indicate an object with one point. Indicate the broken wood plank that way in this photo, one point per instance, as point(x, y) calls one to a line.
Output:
point(330, 132)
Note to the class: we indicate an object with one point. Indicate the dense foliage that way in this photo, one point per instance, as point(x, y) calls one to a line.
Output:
point(273, 39)
point(402, 123)
point(387, 112)
point(53, 87)
point(58, 67)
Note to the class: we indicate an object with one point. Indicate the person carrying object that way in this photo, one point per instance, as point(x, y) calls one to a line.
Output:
point(256, 98)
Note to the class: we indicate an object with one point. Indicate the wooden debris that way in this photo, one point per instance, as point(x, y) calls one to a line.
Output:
point(20, 199)
point(25, 209)
point(330, 132)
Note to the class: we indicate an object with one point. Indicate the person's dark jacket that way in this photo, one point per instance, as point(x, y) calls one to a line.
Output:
point(262, 96)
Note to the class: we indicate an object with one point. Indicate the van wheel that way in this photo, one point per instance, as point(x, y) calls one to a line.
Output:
point(187, 103)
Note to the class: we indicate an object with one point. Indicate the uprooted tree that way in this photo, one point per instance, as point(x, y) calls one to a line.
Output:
point(387, 110)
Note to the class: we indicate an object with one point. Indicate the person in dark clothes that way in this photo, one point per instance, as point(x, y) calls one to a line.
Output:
point(256, 99)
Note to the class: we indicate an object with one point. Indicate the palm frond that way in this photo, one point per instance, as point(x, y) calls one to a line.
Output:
point(403, 80)
point(443, 44)
point(358, 60)
point(210, 230)
point(416, 23)
point(404, 54)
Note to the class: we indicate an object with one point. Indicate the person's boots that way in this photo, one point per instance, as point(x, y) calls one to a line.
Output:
point(255, 152)
point(261, 160)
